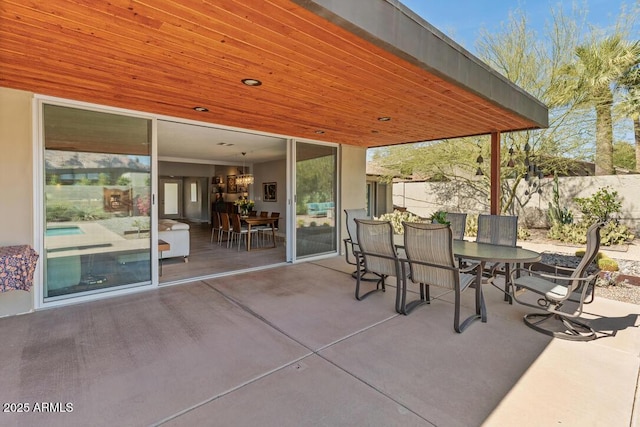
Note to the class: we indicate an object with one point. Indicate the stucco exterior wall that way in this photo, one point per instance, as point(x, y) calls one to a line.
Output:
point(424, 198)
point(354, 184)
point(16, 184)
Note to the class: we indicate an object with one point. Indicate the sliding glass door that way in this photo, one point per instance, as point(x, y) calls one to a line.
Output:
point(97, 201)
point(316, 187)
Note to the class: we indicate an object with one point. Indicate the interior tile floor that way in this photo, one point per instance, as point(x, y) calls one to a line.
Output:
point(208, 258)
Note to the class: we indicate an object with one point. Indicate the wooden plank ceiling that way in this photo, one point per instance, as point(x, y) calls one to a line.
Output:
point(319, 81)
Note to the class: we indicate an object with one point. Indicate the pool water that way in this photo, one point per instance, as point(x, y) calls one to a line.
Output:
point(63, 231)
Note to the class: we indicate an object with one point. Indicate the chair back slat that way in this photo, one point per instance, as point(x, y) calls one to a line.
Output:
point(376, 238)
point(430, 243)
point(497, 229)
point(264, 214)
point(458, 224)
point(351, 216)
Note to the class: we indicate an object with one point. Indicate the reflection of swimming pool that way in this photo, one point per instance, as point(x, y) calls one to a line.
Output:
point(64, 231)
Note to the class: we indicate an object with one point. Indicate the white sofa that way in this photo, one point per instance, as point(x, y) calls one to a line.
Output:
point(176, 234)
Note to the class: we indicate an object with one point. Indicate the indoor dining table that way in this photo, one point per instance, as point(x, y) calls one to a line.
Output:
point(256, 220)
point(483, 253)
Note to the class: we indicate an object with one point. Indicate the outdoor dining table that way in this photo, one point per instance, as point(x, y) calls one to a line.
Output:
point(483, 253)
point(256, 220)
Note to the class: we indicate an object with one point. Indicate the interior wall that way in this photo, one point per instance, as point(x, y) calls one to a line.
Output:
point(196, 205)
point(16, 193)
point(275, 171)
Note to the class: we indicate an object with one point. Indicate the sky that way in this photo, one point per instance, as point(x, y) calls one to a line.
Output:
point(462, 20)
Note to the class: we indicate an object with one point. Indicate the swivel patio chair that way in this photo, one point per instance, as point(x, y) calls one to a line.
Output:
point(351, 243)
point(376, 254)
point(498, 230)
point(429, 256)
point(561, 288)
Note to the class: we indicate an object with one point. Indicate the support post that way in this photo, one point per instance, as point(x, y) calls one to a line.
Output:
point(495, 174)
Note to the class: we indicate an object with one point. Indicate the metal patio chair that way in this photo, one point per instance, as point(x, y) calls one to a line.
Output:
point(559, 287)
point(351, 243)
point(498, 230)
point(458, 224)
point(429, 256)
point(376, 254)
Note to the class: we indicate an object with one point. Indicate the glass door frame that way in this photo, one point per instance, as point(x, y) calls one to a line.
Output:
point(292, 199)
point(39, 199)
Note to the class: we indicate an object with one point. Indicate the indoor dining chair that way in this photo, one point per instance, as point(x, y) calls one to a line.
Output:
point(216, 226)
point(238, 232)
point(225, 227)
point(429, 257)
point(268, 231)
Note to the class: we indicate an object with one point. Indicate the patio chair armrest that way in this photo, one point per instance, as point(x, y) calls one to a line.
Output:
point(550, 277)
point(549, 268)
point(359, 253)
point(428, 264)
point(470, 267)
point(348, 242)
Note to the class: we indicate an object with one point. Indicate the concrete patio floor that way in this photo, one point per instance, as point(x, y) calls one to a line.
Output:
point(290, 346)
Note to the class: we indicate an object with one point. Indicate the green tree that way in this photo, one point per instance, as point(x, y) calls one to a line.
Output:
point(532, 63)
point(630, 104)
point(538, 64)
point(591, 82)
point(624, 155)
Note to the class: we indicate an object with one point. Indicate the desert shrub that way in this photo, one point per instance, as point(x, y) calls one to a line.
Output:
point(602, 260)
point(439, 217)
point(69, 212)
point(397, 218)
point(471, 229)
point(598, 208)
point(523, 233)
point(608, 264)
point(557, 214)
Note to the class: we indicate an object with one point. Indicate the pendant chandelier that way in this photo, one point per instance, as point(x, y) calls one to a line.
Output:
point(245, 179)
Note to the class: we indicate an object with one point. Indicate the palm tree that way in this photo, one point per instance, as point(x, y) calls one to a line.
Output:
point(630, 104)
point(590, 82)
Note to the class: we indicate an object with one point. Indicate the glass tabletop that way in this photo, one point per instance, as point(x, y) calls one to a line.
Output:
point(485, 251)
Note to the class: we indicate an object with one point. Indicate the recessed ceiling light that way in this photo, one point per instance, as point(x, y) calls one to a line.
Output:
point(319, 132)
point(384, 119)
point(251, 82)
point(201, 109)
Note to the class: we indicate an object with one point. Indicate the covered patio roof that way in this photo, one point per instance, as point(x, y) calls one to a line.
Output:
point(330, 69)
